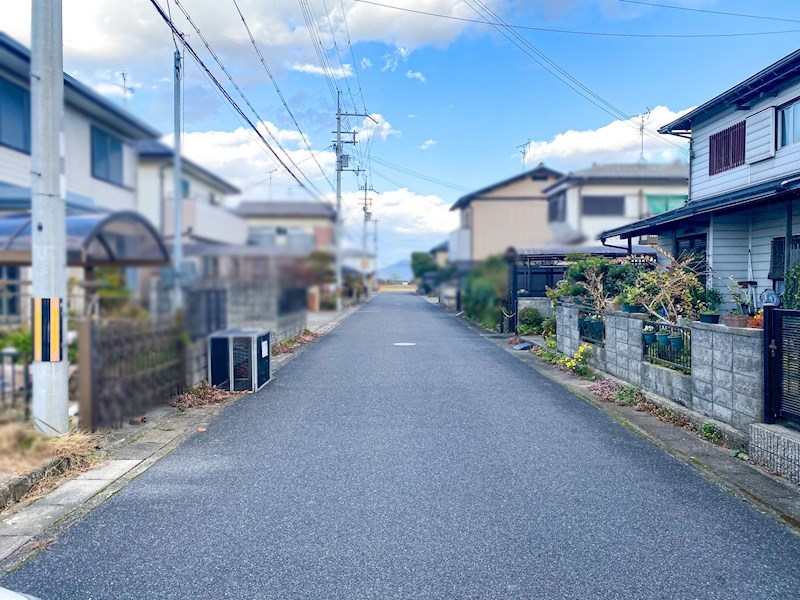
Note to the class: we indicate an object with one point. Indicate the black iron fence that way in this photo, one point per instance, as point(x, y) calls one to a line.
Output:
point(668, 345)
point(15, 385)
point(592, 325)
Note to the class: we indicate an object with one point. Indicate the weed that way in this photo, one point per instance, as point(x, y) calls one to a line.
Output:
point(710, 433)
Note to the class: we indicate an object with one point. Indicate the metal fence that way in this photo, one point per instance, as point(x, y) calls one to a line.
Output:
point(206, 311)
point(128, 367)
point(592, 326)
point(15, 385)
point(668, 345)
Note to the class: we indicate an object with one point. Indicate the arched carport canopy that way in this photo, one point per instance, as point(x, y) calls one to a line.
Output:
point(122, 239)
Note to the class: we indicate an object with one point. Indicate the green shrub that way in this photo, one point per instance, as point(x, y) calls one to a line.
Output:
point(549, 327)
point(529, 321)
point(484, 291)
point(327, 302)
point(791, 297)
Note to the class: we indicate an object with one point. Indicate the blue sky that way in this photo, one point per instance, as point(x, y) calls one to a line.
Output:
point(453, 99)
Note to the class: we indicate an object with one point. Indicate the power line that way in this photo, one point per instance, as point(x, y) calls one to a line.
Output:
point(280, 94)
point(707, 11)
point(419, 175)
point(242, 94)
point(603, 33)
point(227, 96)
point(562, 75)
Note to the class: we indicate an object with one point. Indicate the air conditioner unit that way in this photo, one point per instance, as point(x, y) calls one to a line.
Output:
point(239, 359)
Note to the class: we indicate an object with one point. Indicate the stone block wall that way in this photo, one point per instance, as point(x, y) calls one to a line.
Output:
point(728, 373)
point(727, 379)
point(543, 305)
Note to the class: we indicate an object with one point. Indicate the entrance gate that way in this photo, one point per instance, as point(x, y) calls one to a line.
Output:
point(781, 364)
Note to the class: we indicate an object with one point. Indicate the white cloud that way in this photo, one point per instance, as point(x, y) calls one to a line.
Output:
point(345, 70)
point(366, 63)
point(404, 212)
point(411, 116)
point(392, 59)
point(376, 126)
point(427, 144)
point(239, 157)
point(416, 75)
point(618, 142)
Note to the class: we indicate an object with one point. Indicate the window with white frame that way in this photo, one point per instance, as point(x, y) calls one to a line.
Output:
point(790, 124)
point(15, 116)
point(106, 156)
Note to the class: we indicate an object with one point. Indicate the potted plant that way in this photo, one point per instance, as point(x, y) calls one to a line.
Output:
point(708, 315)
point(735, 318)
point(663, 336)
point(710, 301)
point(630, 299)
point(649, 333)
point(676, 340)
point(757, 320)
point(595, 325)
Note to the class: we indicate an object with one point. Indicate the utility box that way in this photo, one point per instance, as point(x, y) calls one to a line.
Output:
point(239, 360)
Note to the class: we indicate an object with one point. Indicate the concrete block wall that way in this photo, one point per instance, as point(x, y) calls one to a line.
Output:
point(543, 305)
point(728, 373)
point(727, 379)
point(777, 448)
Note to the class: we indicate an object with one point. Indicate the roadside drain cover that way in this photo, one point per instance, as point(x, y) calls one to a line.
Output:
point(404, 344)
point(523, 346)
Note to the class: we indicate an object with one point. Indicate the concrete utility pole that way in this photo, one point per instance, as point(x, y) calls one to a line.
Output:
point(342, 163)
point(49, 254)
point(367, 217)
point(375, 242)
point(177, 192)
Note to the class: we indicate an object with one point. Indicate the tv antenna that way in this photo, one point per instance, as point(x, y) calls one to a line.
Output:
point(642, 118)
point(523, 149)
point(126, 89)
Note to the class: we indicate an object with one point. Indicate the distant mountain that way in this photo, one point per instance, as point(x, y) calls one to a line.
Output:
point(399, 271)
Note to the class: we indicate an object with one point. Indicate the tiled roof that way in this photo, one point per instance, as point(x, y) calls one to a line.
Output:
point(285, 208)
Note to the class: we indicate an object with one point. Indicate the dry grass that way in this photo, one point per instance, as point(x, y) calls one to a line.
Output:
point(22, 449)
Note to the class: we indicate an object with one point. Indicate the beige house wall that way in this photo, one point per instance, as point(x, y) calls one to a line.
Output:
point(511, 215)
point(498, 224)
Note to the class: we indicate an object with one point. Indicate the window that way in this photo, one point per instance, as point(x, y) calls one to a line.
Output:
point(15, 116)
point(106, 156)
point(557, 207)
point(262, 236)
point(663, 203)
point(603, 206)
point(694, 245)
point(777, 258)
point(790, 124)
point(185, 188)
point(726, 149)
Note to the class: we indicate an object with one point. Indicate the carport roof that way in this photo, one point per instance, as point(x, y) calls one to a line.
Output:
point(124, 239)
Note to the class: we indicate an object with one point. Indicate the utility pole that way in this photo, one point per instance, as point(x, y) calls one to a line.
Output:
point(177, 191)
point(49, 254)
point(126, 89)
point(375, 242)
point(367, 217)
point(342, 163)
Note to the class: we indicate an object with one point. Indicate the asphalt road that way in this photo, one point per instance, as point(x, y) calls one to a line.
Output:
point(447, 469)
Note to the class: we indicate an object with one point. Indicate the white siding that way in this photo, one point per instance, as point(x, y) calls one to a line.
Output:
point(78, 166)
point(15, 167)
point(786, 160)
point(760, 136)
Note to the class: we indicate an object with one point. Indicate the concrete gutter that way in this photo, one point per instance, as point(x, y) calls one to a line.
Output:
point(31, 526)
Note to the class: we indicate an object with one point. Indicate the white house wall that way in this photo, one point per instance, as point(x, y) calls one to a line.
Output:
point(786, 160)
point(78, 165)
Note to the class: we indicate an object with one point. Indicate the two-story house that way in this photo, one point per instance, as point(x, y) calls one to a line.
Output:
point(744, 176)
point(584, 203)
point(300, 225)
point(512, 212)
point(100, 139)
point(204, 218)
